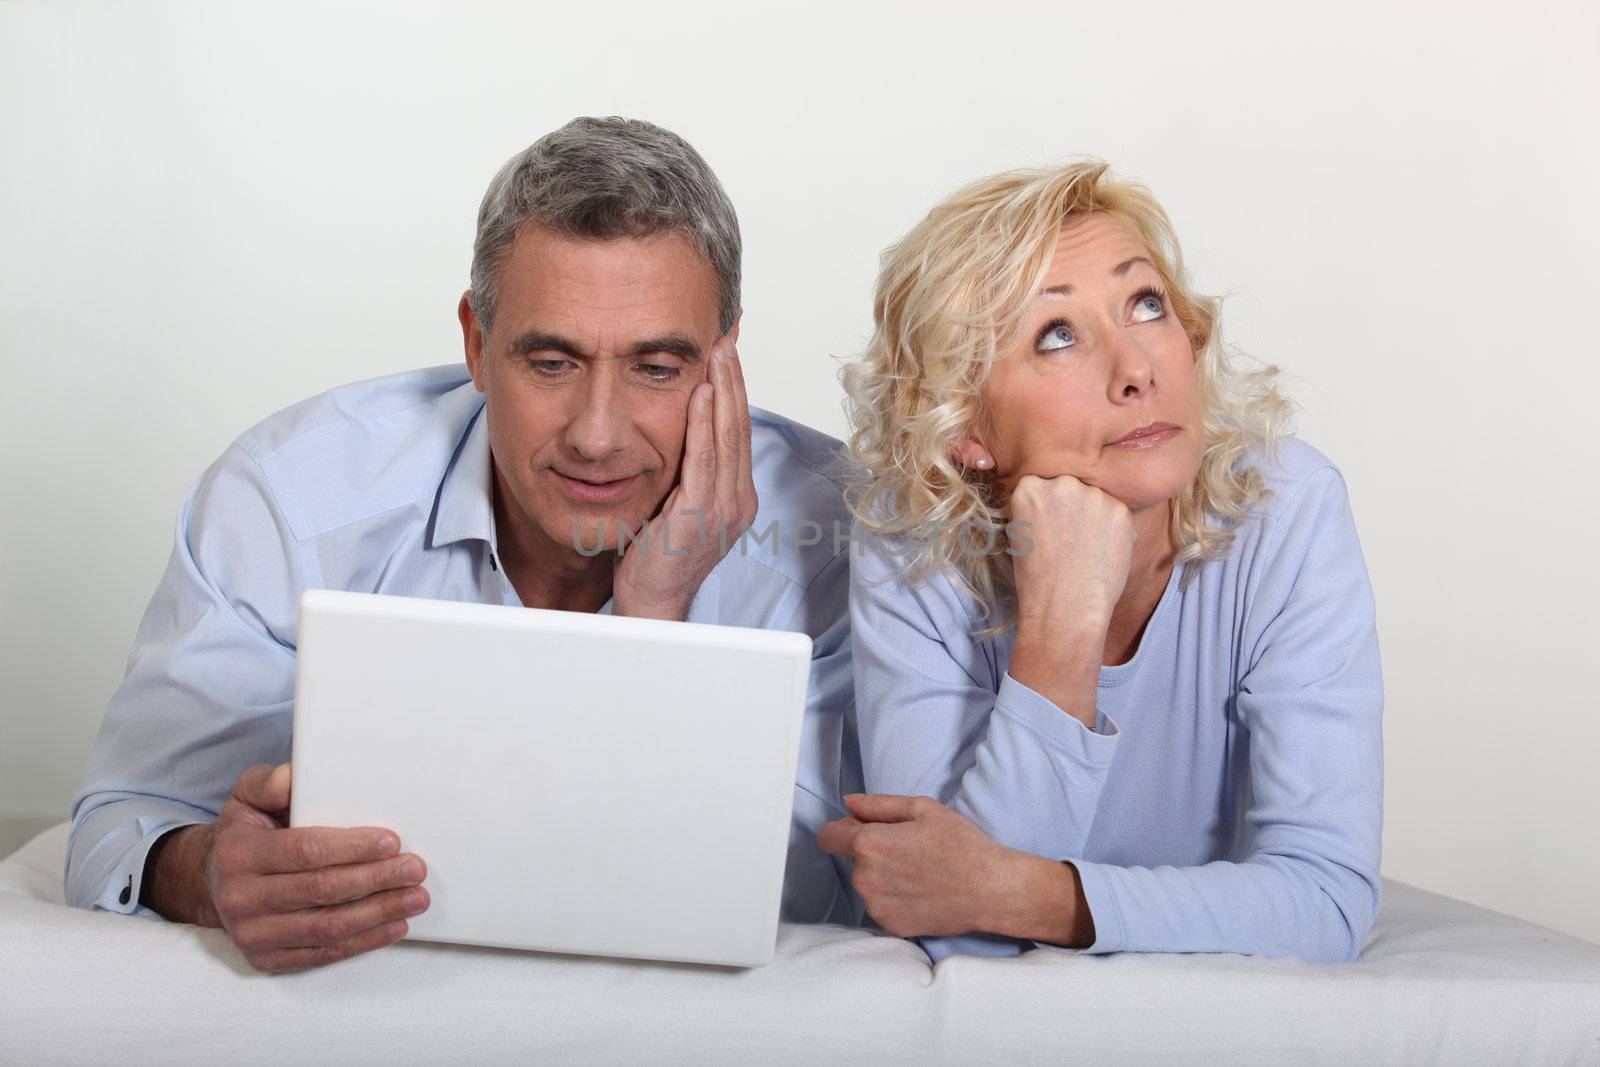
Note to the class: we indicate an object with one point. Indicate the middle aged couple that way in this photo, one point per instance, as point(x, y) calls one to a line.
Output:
point(1096, 665)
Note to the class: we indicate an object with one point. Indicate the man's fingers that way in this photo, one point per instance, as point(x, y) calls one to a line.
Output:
point(284, 961)
point(322, 927)
point(278, 785)
point(335, 885)
point(730, 430)
point(838, 836)
point(699, 449)
point(308, 847)
point(881, 807)
point(743, 475)
point(264, 787)
point(741, 398)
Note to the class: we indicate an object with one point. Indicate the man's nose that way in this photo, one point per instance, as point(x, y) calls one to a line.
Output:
point(599, 426)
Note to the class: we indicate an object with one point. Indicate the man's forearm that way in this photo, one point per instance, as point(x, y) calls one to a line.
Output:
point(176, 886)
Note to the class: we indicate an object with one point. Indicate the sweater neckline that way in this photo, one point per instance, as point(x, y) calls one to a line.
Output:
point(1110, 676)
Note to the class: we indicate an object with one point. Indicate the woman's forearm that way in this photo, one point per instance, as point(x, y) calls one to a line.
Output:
point(1062, 665)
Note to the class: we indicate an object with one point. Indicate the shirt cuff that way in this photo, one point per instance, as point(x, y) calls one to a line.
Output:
point(1110, 932)
point(1060, 730)
point(106, 857)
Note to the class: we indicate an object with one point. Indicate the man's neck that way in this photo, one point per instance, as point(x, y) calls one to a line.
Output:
point(545, 573)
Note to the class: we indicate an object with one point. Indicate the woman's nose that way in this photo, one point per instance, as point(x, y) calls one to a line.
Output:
point(1132, 370)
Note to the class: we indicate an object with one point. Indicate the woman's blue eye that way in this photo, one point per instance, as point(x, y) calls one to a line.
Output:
point(1056, 336)
point(1148, 307)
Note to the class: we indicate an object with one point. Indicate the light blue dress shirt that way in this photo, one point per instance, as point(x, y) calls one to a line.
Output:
point(1229, 797)
point(384, 487)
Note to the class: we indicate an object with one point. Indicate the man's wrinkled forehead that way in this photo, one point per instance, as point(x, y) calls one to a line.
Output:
point(613, 295)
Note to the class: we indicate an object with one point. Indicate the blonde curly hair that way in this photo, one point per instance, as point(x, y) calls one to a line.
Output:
point(949, 299)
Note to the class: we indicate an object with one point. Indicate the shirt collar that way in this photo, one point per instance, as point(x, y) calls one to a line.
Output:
point(465, 504)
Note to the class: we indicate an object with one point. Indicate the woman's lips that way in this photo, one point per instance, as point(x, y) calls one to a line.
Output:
point(1155, 433)
point(588, 492)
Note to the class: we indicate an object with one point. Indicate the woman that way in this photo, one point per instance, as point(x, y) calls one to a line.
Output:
point(1117, 671)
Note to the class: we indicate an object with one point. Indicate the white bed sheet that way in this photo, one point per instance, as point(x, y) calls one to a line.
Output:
point(1439, 981)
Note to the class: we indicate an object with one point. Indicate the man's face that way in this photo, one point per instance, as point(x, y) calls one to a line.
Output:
point(586, 374)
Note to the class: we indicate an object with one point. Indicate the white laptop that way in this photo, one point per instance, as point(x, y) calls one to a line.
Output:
point(576, 783)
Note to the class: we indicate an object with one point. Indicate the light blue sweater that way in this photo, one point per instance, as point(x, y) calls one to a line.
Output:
point(1229, 798)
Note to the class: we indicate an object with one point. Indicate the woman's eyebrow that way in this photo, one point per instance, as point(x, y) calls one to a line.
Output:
point(1118, 271)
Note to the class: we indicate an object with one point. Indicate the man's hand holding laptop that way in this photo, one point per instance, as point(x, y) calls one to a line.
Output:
point(289, 898)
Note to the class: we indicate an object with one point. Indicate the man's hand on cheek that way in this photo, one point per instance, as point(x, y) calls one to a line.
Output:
point(711, 507)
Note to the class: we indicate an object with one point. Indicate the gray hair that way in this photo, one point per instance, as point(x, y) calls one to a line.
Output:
point(605, 178)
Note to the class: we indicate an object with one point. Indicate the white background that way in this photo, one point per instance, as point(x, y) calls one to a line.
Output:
point(208, 212)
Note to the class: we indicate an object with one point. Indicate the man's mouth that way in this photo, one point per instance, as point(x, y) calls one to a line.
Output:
point(595, 490)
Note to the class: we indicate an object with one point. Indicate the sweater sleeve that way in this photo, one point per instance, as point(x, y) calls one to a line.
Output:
point(1310, 699)
point(935, 720)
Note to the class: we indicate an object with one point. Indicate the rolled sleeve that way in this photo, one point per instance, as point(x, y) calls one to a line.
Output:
point(109, 847)
point(1034, 749)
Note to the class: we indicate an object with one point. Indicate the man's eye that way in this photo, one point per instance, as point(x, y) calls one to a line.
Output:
point(1148, 306)
point(548, 366)
point(658, 372)
point(1054, 337)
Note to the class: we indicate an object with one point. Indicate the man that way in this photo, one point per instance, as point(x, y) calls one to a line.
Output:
point(602, 407)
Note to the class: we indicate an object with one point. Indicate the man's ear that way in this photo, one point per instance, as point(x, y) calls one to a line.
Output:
point(471, 339)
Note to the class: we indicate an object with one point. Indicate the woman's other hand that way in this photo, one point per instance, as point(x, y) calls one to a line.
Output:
point(926, 871)
point(920, 868)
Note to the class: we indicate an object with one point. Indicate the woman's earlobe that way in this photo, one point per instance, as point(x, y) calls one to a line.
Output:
point(971, 454)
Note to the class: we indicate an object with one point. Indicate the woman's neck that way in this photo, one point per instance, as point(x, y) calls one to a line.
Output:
point(1148, 574)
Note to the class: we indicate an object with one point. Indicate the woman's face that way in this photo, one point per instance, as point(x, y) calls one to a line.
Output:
point(1101, 383)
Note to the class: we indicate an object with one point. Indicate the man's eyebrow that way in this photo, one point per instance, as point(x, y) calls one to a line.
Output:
point(676, 344)
point(539, 341)
point(1118, 271)
point(673, 344)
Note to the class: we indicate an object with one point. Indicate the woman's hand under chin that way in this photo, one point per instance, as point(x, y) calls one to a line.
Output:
point(926, 871)
point(1072, 546)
